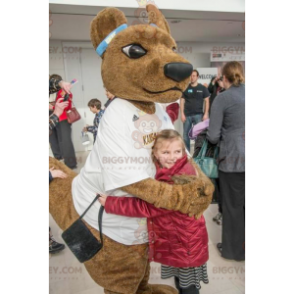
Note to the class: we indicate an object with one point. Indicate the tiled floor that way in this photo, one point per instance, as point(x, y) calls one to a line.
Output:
point(68, 276)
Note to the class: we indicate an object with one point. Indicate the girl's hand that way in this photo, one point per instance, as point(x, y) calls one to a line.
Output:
point(102, 199)
point(57, 173)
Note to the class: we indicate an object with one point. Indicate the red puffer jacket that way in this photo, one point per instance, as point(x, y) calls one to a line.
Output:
point(175, 239)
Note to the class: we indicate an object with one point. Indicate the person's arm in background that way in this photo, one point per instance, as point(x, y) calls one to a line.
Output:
point(54, 118)
point(182, 108)
point(55, 85)
point(60, 95)
point(206, 108)
point(210, 88)
point(216, 121)
point(211, 85)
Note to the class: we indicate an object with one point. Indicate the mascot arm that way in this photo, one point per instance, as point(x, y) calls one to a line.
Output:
point(192, 198)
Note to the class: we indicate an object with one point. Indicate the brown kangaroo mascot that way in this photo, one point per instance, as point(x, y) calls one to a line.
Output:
point(141, 67)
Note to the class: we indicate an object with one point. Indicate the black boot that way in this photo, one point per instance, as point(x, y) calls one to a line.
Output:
point(177, 282)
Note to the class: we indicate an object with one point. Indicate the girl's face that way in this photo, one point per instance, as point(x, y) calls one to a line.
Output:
point(167, 152)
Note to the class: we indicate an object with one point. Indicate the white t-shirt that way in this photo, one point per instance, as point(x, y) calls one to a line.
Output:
point(120, 157)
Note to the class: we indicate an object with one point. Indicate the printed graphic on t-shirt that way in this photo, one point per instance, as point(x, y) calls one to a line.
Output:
point(147, 125)
point(141, 233)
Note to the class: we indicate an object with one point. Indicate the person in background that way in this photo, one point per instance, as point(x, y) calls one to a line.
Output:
point(95, 107)
point(227, 128)
point(191, 106)
point(110, 97)
point(54, 246)
point(56, 83)
point(173, 111)
point(60, 140)
point(215, 87)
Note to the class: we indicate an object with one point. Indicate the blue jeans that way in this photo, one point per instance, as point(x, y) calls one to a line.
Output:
point(194, 119)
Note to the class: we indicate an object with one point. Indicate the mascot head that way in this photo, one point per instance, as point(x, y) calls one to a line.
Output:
point(139, 62)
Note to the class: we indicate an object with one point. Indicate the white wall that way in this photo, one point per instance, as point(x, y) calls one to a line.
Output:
point(200, 5)
point(56, 62)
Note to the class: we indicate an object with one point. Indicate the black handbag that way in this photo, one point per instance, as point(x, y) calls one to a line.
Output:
point(79, 238)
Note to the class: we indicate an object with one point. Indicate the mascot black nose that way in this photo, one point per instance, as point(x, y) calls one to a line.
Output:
point(178, 71)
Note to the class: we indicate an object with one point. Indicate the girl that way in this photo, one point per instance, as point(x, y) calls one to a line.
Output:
point(177, 241)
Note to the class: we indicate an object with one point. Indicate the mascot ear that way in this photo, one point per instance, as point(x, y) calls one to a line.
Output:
point(104, 23)
point(156, 17)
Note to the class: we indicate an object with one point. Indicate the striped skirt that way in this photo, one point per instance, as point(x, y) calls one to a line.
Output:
point(187, 276)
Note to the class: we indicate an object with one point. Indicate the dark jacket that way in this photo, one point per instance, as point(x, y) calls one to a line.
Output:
point(227, 127)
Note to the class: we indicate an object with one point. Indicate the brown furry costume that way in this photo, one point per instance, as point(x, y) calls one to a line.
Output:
point(120, 268)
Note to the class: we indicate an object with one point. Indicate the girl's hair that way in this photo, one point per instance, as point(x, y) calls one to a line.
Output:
point(166, 135)
point(94, 102)
point(234, 73)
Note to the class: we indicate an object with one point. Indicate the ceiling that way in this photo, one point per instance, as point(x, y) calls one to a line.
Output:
point(72, 22)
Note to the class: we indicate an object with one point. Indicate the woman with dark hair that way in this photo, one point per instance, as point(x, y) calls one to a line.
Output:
point(227, 128)
point(215, 87)
point(60, 139)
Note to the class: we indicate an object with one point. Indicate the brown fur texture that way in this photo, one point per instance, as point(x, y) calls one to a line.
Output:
point(155, 16)
point(104, 23)
point(138, 80)
point(193, 197)
point(117, 267)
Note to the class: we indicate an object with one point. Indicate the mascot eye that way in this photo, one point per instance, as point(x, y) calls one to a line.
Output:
point(143, 124)
point(134, 51)
point(152, 124)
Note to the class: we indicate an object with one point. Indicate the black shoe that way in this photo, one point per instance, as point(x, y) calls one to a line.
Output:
point(220, 247)
point(55, 247)
point(218, 218)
